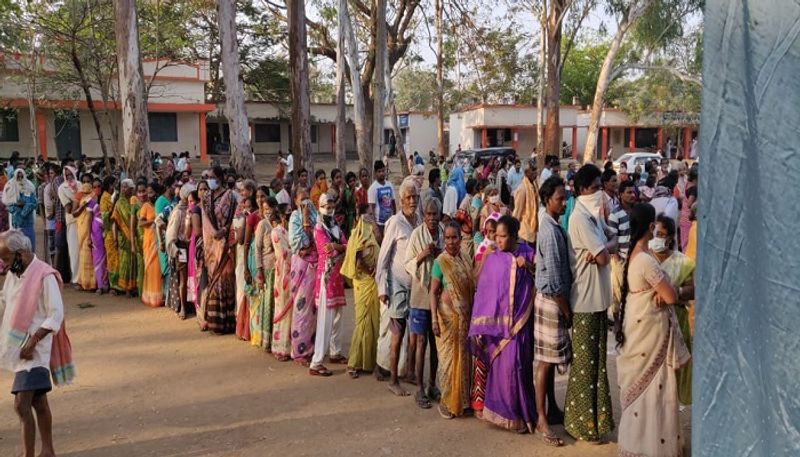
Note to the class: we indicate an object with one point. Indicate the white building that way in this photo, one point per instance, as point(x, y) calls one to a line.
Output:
point(176, 106)
point(418, 131)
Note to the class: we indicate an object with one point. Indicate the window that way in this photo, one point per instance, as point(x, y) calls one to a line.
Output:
point(268, 133)
point(163, 127)
point(9, 129)
point(314, 134)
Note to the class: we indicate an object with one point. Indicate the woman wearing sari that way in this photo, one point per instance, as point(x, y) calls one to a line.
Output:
point(247, 205)
point(123, 234)
point(262, 265)
point(177, 246)
point(320, 187)
point(219, 295)
point(359, 263)
point(97, 240)
point(4, 225)
point(138, 233)
point(195, 270)
point(650, 349)
point(304, 268)
point(259, 312)
point(680, 270)
point(501, 330)
point(81, 213)
point(282, 288)
point(19, 197)
point(112, 255)
point(66, 195)
point(152, 291)
point(451, 294)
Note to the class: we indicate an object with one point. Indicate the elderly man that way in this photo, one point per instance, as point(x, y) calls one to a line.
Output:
point(32, 331)
point(526, 205)
point(394, 284)
point(425, 244)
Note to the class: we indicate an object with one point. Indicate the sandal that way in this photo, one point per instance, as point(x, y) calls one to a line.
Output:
point(422, 400)
point(445, 413)
point(551, 439)
point(352, 372)
point(338, 359)
point(283, 358)
point(320, 371)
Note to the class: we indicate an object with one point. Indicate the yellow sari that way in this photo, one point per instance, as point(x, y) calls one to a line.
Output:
point(86, 278)
point(152, 292)
point(112, 255)
point(454, 313)
point(364, 344)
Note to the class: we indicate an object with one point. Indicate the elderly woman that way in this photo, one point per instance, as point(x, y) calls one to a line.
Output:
point(67, 196)
point(177, 252)
point(394, 284)
point(451, 293)
point(261, 263)
point(331, 244)
point(19, 197)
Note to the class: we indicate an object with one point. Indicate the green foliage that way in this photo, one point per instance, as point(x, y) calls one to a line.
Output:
point(657, 91)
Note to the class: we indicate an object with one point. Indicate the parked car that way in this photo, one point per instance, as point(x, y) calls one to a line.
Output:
point(632, 159)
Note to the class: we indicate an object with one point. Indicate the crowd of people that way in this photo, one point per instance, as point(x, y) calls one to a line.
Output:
point(493, 275)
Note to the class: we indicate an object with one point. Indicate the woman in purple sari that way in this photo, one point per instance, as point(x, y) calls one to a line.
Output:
point(98, 242)
point(501, 330)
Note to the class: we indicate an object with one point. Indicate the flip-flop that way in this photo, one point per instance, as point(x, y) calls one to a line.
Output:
point(551, 439)
point(320, 371)
point(445, 413)
point(422, 400)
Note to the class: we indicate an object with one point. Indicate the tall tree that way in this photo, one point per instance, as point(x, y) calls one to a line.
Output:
point(552, 135)
point(379, 88)
point(341, 88)
point(241, 149)
point(363, 134)
point(135, 129)
point(441, 148)
point(301, 108)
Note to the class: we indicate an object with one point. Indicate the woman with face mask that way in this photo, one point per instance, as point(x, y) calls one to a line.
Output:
point(331, 244)
point(304, 267)
point(650, 346)
point(680, 270)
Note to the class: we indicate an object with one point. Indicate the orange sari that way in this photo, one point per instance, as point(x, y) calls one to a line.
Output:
point(152, 292)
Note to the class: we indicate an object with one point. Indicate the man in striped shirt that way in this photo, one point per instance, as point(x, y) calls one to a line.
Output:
point(619, 226)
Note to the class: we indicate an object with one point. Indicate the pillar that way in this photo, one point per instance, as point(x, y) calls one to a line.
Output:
point(515, 139)
point(333, 139)
point(687, 139)
point(660, 138)
point(574, 143)
point(604, 143)
point(485, 137)
point(41, 130)
point(203, 142)
point(632, 140)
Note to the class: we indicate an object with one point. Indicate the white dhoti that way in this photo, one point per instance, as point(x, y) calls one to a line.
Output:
point(385, 343)
point(329, 326)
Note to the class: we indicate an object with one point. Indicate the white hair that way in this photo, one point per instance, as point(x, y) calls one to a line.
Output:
point(16, 241)
point(432, 203)
point(406, 187)
point(128, 183)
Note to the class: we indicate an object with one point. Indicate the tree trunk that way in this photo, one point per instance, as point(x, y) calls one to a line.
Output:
point(341, 87)
point(540, 90)
point(30, 96)
point(87, 93)
point(378, 94)
point(604, 78)
point(135, 128)
point(552, 136)
point(401, 150)
point(439, 81)
point(363, 135)
point(241, 150)
point(301, 105)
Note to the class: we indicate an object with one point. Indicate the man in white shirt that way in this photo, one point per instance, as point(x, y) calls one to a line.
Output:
point(288, 162)
point(380, 196)
point(29, 323)
point(515, 175)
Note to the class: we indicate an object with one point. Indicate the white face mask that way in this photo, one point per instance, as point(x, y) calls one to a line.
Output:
point(593, 202)
point(212, 183)
point(494, 199)
point(326, 212)
point(657, 245)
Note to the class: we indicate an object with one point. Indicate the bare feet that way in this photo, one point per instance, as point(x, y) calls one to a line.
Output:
point(397, 389)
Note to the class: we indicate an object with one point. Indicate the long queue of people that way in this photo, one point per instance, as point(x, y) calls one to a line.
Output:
point(495, 269)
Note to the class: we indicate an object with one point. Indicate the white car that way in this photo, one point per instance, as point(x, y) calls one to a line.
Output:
point(632, 159)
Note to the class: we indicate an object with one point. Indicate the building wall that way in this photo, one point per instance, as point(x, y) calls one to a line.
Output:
point(422, 134)
point(24, 145)
point(322, 145)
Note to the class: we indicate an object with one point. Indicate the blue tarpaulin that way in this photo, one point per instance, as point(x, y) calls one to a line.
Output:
point(747, 343)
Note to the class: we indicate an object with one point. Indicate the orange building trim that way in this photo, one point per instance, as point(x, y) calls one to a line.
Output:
point(81, 104)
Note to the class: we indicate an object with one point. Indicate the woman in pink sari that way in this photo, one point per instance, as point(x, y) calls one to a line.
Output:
point(304, 267)
point(97, 240)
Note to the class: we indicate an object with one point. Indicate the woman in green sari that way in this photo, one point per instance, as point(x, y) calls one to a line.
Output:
point(680, 270)
point(122, 230)
point(359, 263)
point(138, 233)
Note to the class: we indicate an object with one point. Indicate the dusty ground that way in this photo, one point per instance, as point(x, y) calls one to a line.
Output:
point(151, 385)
